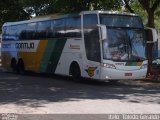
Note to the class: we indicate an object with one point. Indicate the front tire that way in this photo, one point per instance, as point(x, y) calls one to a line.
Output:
point(113, 81)
point(75, 72)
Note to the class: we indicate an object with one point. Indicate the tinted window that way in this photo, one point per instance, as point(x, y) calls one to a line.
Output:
point(30, 31)
point(91, 37)
point(121, 21)
point(44, 30)
point(10, 33)
point(21, 31)
point(59, 28)
point(4, 33)
point(90, 21)
point(73, 27)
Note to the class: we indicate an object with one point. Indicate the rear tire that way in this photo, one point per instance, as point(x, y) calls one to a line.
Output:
point(13, 65)
point(20, 66)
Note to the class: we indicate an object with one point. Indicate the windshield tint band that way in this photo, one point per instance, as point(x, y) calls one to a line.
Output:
point(125, 21)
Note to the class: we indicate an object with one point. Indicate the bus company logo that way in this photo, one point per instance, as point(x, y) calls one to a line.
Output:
point(25, 45)
point(90, 71)
point(75, 47)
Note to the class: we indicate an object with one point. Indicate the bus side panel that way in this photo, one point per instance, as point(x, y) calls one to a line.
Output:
point(32, 60)
point(6, 60)
point(71, 52)
point(52, 55)
point(74, 52)
point(45, 61)
point(8, 52)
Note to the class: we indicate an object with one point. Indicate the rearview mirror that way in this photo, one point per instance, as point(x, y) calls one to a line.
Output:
point(103, 31)
point(152, 35)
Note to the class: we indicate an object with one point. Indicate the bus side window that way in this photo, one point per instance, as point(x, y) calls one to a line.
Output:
point(73, 27)
point(91, 37)
point(11, 33)
point(59, 28)
point(21, 31)
point(31, 31)
point(44, 30)
point(4, 33)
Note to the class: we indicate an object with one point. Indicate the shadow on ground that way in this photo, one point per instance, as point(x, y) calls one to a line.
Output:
point(37, 90)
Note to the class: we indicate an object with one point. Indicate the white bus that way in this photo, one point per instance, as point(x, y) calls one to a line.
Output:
point(101, 45)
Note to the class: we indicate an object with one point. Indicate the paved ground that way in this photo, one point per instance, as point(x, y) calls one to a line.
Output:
point(40, 94)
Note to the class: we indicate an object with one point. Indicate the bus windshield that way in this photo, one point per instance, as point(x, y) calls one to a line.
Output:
point(125, 38)
point(124, 44)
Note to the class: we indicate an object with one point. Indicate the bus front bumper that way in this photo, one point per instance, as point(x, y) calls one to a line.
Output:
point(114, 74)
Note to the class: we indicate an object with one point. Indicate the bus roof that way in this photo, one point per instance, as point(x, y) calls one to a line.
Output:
point(40, 18)
point(109, 12)
point(58, 16)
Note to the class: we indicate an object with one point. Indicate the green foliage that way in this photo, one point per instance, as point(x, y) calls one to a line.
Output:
point(36, 7)
point(69, 6)
point(137, 8)
point(157, 18)
point(143, 8)
point(11, 10)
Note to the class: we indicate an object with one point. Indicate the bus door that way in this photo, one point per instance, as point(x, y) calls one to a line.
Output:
point(91, 63)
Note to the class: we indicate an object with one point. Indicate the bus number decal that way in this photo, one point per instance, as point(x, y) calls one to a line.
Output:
point(75, 47)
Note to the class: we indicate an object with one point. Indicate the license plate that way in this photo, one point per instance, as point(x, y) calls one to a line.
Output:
point(128, 74)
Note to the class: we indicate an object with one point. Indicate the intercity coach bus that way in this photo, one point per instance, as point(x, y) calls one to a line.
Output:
point(101, 45)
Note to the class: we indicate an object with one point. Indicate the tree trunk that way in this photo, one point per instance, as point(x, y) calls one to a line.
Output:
point(151, 18)
point(150, 38)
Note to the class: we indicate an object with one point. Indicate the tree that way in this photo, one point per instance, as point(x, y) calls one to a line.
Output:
point(11, 11)
point(127, 4)
point(150, 6)
point(36, 7)
point(70, 6)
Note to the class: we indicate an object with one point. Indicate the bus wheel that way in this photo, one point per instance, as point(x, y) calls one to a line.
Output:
point(13, 64)
point(75, 72)
point(113, 81)
point(20, 66)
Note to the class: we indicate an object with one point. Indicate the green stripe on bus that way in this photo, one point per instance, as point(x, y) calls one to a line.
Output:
point(55, 55)
point(48, 51)
point(133, 63)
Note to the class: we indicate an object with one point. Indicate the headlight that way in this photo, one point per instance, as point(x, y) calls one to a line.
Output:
point(144, 66)
point(109, 65)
